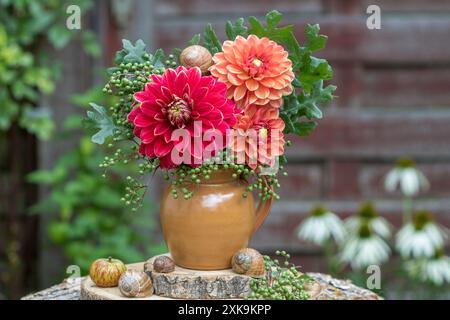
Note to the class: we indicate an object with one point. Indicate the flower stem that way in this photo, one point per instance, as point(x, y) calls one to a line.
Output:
point(407, 209)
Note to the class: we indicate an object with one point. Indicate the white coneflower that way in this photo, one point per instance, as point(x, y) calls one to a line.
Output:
point(367, 214)
point(421, 237)
point(365, 248)
point(435, 270)
point(407, 176)
point(321, 226)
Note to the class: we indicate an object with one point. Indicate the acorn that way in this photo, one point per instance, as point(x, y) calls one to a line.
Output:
point(196, 56)
point(249, 262)
point(135, 284)
point(163, 264)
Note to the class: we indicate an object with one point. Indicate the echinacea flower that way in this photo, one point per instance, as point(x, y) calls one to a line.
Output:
point(367, 214)
point(435, 270)
point(258, 136)
point(421, 237)
point(180, 99)
point(407, 176)
point(320, 226)
point(256, 71)
point(365, 248)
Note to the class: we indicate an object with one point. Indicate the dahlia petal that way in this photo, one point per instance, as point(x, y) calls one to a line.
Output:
point(142, 120)
point(234, 69)
point(252, 84)
point(194, 76)
point(251, 98)
point(161, 128)
point(141, 96)
point(147, 135)
point(200, 93)
point(243, 76)
point(239, 93)
point(161, 148)
point(166, 162)
point(132, 115)
point(234, 79)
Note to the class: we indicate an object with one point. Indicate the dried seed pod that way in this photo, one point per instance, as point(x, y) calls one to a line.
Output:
point(135, 283)
point(163, 264)
point(249, 262)
point(196, 56)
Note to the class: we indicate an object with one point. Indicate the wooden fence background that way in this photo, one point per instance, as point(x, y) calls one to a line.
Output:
point(393, 88)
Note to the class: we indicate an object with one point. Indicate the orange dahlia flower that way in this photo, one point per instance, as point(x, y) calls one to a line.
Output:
point(256, 71)
point(258, 136)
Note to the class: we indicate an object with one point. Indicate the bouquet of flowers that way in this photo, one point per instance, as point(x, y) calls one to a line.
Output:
point(214, 105)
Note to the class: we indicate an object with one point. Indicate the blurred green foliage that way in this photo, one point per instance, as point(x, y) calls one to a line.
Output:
point(28, 29)
point(92, 221)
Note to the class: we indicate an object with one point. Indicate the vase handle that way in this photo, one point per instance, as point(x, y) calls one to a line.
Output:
point(262, 212)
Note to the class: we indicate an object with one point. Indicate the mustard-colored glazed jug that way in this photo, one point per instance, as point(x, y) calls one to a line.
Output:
point(205, 231)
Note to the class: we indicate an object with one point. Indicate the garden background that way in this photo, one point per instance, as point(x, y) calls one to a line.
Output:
point(393, 100)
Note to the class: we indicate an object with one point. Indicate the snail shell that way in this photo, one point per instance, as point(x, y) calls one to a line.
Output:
point(163, 264)
point(196, 56)
point(135, 283)
point(249, 262)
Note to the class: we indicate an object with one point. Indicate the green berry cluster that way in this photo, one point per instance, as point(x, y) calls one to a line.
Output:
point(135, 193)
point(128, 79)
point(171, 61)
point(280, 283)
point(184, 177)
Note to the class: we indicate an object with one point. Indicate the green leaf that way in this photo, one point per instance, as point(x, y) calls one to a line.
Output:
point(90, 44)
point(38, 121)
point(211, 41)
point(59, 36)
point(49, 177)
point(237, 29)
point(304, 128)
point(313, 40)
point(101, 121)
point(158, 58)
point(256, 27)
point(195, 40)
point(309, 102)
point(273, 18)
point(133, 53)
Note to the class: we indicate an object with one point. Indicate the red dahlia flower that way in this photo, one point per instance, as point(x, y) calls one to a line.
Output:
point(181, 99)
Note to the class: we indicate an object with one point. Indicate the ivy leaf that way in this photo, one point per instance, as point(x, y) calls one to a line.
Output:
point(102, 121)
point(304, 128)
point(237, 29)
point(195, 40)
point(211, 42)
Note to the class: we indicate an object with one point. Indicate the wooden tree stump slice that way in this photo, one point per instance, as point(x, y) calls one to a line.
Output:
point(89, 291)
point(184, 283)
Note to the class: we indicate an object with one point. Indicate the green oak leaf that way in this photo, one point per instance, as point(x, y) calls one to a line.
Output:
point(211, 41)
point(102, 121)
point(304, 128)
point(195, 40)
point(236, 29)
